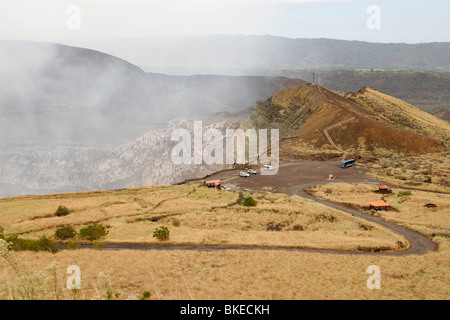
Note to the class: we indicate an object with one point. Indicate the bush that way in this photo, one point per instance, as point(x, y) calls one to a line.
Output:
point(249, 202)
point(1, 233)
point(175, 222)
point(46, 244)
point(43, 244)
point(404, 193)
point(62, 211)
point(145, 295)
point(66, 232)
point(162, 233)
point(93, 232)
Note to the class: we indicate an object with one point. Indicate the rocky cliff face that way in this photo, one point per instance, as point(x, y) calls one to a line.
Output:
point(65, 169)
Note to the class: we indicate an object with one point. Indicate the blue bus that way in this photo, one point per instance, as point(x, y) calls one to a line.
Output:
point(347, 163)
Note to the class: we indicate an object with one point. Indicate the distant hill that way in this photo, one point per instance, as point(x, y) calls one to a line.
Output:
point(56, 94)
point(379, 121)
point(223, 53)
point(428, 91)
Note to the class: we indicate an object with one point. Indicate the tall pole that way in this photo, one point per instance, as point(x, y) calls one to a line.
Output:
point(314, 77)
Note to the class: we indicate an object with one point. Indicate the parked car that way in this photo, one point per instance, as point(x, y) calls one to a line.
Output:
point(251, 171)
point(267, 167)
point(244, 174)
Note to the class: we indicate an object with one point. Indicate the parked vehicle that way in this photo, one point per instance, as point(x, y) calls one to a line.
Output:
point(267, 167)
point(348, 163)
point(244, 174)
point(251, 171)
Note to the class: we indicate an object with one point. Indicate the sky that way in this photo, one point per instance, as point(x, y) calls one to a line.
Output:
point(75, 21)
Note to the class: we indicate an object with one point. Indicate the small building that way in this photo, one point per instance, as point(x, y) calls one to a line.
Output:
point(384, 189)
point(212, 183)
point(379, 205)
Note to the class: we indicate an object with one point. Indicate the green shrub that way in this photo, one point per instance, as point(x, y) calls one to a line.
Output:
point(47, 244)
point(162, 233)
point(93, 232)
point(64, 233)
point(43, 244)
point(249, 202)
point(139, 219)
point(404, 193)
point(145, 295)
point(62, 211)
point(175, 222)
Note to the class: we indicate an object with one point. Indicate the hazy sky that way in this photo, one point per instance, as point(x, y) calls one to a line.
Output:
point(74, 21)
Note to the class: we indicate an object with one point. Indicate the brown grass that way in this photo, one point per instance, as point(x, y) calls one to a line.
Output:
point(206, 216)
point(253, 274)
point(410, 209)
point(400, 113)
point(242, 274)
point(413, 171)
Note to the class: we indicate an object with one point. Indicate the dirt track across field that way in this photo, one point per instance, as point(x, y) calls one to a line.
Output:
point(293, 178)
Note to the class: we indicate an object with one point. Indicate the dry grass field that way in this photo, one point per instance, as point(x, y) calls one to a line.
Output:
point(209, 216)
point(238, 274)
point(430, 172)
point(195, 215)
point(410, 210)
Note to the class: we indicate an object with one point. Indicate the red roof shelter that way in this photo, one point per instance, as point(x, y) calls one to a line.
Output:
point(212, 183)
point(379, 204)
point(384, 188)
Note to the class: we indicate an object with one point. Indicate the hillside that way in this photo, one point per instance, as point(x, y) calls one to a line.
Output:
point(224, 54)
point(56, 94)
point(428, 91)
point(400, 113)
point(383, 126)
point(381, 121)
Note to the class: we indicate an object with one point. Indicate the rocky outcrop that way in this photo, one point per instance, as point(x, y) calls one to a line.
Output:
point(28, 170)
